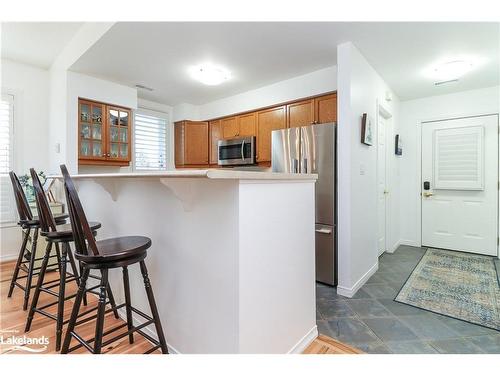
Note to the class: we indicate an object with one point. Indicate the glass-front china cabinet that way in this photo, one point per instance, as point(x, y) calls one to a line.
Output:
point(104, 134)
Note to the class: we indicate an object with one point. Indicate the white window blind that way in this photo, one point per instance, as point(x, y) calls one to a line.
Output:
point(150, 141)
point(7, 209)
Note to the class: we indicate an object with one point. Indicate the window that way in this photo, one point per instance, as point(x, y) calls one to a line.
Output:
point(150, 140)
point(7, 210)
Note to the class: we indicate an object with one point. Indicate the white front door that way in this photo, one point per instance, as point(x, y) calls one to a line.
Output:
point(459, 184)
point(381, 183)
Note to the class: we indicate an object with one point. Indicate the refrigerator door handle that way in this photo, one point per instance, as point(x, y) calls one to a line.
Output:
point(324, 230)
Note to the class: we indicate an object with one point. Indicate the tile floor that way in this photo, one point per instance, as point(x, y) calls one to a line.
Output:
point(373, 322)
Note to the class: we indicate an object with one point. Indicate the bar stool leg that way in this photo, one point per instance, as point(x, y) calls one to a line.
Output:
point(62, 289)
point(154, 310)
point(39, 284)
point(76, 272)
point(112, 301)
point(29, 278)
point(19, 260)
point(99, 326)
point(128, 304)
point(76, 309)
point(84, 292)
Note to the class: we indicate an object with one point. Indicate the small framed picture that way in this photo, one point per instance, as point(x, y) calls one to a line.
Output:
point(366, 130)
point(398, 149)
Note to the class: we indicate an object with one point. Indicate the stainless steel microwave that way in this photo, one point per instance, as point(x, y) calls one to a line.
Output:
point(236, 151)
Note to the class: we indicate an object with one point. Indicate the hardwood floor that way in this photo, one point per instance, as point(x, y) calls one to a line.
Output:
point(13, 319)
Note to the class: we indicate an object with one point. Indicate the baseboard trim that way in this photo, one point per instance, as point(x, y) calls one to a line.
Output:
point(8, 258)
point(349, 292)
point(409, 243)
point(394, 247)
point(305, 341)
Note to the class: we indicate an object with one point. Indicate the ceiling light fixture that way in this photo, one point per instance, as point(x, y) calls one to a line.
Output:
point(451, 70)
point(209, 74)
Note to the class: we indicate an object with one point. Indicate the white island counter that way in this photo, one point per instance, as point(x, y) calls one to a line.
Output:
point(232, 260)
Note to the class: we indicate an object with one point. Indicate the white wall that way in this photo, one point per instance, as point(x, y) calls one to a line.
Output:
point(29, 85)
point(360, 90)
point(412, 113)
point(310, 84)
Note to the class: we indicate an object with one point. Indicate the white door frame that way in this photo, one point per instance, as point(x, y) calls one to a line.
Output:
point(419, 167)
point(383, 112)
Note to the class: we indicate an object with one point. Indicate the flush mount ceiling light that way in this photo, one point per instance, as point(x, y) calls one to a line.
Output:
point(209, 74)
point(450, 70)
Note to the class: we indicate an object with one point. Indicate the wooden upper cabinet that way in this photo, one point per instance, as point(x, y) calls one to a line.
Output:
point(215, 129)
point(104, 134)
point(267, 121)
point(325, 109)
point(300, 113)
point(191, 143)
point(230, 127)
point(247, 124)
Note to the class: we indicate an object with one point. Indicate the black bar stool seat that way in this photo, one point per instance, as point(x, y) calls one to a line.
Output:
point(119, 249)
point(63, 232)
point(35, 222)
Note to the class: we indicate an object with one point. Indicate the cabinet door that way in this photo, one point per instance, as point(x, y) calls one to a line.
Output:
point(195, 142)
point(91, 140)
point(267, 121)
point(247, 124)
point(230, 127)
point(300, 113)
point(325, 109)
point(179, 143)
point(118, 133)
point(215, 135)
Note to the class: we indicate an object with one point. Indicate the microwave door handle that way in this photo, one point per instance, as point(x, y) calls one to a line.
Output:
point(242, 150)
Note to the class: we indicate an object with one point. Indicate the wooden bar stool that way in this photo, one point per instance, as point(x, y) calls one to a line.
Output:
point(55, 235)
point(105, 255)
point(29, 224)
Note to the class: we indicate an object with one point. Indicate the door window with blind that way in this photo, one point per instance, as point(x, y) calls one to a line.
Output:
point(150, 140)
point(7, 212)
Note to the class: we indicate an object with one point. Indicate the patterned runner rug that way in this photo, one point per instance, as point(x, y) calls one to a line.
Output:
point(459, 285)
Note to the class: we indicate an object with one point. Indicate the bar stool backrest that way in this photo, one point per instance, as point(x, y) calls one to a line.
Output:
point(23, 207)
point(82, 234)
point(47, 222)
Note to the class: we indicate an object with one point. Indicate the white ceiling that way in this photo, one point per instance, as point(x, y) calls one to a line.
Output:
point(158, 54)
point(36, 43)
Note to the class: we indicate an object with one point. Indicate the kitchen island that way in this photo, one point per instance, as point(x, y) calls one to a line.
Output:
point(232, 259)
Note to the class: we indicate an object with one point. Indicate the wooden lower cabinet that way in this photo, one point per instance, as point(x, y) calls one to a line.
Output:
point(267, 121)
point(215, 133)
point(191, 143)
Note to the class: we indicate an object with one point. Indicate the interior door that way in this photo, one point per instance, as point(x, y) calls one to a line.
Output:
point(459, 184)
point(381, 183)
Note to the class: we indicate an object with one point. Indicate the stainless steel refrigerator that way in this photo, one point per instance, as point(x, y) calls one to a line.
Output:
point(312, 149)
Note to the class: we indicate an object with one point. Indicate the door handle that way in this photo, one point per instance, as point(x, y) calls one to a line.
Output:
point(386, 192)
point(242, 150)
point(324, 231)
point(427, 194)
